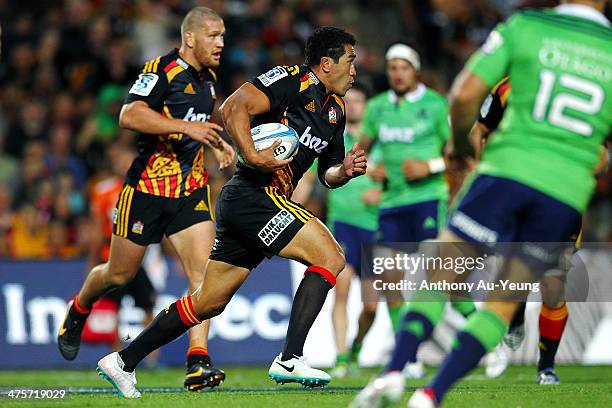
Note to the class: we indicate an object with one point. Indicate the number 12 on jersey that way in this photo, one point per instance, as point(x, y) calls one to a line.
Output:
point(589, 105)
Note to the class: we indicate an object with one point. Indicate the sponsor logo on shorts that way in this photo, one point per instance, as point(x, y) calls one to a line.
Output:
point(137, 227)
point(542, 254)
point(114, 215)
point(275, 227)
point(472, 228)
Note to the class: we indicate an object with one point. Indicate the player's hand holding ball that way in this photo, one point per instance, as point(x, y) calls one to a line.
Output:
point(275, 145)
point(265, 160)
point(355, 163)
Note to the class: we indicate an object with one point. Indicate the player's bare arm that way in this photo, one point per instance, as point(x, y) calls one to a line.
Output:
point(353, 165)
point(467, 92)
point(139, 117)
point(366, 142)
point(604, 161)
point(236, 111)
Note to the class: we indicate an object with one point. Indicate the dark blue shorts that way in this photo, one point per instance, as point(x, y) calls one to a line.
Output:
point(496, 209)
point(350, 239)
point(411, 223)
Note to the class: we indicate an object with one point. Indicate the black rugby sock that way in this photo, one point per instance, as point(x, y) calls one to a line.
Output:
point(169, 324)
point(307, 304)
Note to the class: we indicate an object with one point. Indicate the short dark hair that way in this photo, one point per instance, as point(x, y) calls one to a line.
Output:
point(327, 42)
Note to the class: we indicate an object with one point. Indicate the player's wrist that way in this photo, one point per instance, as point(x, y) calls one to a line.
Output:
point(182, 126)
point(251, 156)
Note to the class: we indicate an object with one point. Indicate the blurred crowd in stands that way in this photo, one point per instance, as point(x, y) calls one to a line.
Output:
point(66, 65)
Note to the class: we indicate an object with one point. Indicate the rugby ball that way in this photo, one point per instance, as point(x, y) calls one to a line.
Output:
point(264, 136)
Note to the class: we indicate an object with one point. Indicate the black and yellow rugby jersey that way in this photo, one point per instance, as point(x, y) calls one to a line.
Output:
point(299, 100)
point(494, 105)
point(171, 165)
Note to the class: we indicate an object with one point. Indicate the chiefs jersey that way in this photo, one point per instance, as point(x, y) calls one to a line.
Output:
point(299, 100)
point(171, 165)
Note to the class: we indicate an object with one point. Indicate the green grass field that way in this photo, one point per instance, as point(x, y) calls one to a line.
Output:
point(250, 387)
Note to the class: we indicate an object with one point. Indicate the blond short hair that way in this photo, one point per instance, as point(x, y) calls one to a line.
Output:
point(195, 16)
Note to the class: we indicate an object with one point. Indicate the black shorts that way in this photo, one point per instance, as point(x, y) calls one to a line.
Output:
point(145, 218)
point(253, 222)
point(140, 288)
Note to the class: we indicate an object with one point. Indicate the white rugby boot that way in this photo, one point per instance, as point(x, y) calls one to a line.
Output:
point(111, 369)
point(298, 371)
point(381, 391)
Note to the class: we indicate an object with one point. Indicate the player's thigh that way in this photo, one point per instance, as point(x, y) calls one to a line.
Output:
point(125, 257)
point(546, 232)
point(221, 281)
point(449, 245)
point(258, 222)
point(314, 245)
point(193, 246)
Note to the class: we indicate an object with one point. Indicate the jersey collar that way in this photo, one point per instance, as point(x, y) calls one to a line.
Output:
point(413, 96)
point(186, 65)
point(316, 81)
point(582, 11)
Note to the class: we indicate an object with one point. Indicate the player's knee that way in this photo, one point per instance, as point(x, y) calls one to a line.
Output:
point(553, 293)
point(211, 310)
point(335, 260)
point(553, 300)
point(120, 276)
point(206, 307)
